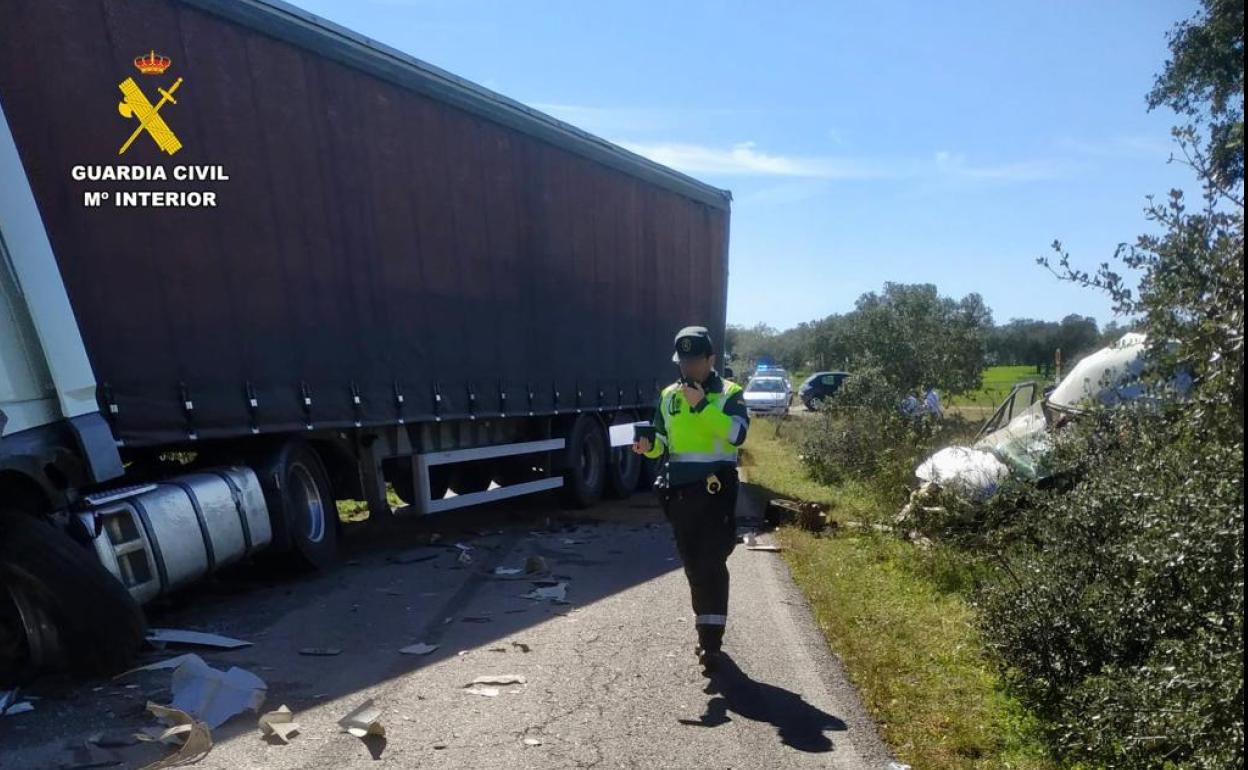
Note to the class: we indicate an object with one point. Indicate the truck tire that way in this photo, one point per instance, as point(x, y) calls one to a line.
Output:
point(58, 605)
point(301, 505)
point(623, 471)
point(585, 463)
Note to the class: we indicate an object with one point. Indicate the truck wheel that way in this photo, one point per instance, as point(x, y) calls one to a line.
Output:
point(623, 471)
point(585, 463)
point(301, 505)
point(59, 606)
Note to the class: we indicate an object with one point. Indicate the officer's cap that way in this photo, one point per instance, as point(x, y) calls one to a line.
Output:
point(693, 342)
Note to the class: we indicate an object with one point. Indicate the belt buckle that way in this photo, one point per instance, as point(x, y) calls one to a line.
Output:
point(713, 484)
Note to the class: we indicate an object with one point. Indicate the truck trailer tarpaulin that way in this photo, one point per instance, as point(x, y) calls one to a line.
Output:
point(350, 237)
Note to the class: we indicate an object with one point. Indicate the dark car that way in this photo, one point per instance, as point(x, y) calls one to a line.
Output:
point(819, 386)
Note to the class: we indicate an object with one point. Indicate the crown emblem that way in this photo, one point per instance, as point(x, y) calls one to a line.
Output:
point(152, 63)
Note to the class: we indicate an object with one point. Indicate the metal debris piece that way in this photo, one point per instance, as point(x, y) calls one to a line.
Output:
point(507, 571)
point(213, 696)
point(420, 648)
point(279, 724)
point(502, 679)
point(464, 558)
point(198, 638)
point(557, 592)
point(173, 662)
point(488, 692)
point(532, 742)
point(321, 651)
point(21, 707)
point(363, 721)
point(196, 743)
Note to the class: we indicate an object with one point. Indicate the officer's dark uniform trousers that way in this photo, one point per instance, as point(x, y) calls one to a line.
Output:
point(705, 528)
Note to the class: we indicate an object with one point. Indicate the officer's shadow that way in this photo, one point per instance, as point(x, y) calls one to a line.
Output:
point(799, 724)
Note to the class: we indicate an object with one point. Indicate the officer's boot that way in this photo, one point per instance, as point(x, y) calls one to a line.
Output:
point(710, 638)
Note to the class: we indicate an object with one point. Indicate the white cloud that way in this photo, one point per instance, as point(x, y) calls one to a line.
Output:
point(745, 159)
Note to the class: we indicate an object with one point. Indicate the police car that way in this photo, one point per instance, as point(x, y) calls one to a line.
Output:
point(768, 392)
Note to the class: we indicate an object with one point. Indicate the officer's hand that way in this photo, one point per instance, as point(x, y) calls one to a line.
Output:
point(694, 394)
point(641, 445)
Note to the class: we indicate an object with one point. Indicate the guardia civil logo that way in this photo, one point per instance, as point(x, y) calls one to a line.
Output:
point(146, 106)
point(136, 106)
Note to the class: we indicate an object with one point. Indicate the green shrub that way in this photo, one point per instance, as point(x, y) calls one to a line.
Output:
point(1118, 603)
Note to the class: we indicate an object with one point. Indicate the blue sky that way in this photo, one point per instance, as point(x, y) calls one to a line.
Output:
point(863, 142)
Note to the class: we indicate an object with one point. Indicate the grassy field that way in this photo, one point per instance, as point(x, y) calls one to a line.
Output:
point(896, 616)
point(998, 381)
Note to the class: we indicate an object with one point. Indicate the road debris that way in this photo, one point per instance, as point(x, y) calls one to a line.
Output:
point(488, 692)
point(420, 648)
point(195, 736)
point(21, 707)
point(500, 679)
point(213, 696)
point(476, 619)
point(764, 547)
point(464, 558)
point(173, 662)
point(521, 646)
point(113, 740)
point(163, 636)
point(279, 724)
point(532, 742)
point(363, 721)
point(507, 571)
point(535, 564)
point(323, 652)
point(556, 593)
point(807, 515)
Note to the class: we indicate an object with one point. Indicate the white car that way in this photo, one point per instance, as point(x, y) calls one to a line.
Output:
point(767, 394)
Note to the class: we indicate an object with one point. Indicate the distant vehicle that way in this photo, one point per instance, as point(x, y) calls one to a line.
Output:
point(819, 386)
point(771, 370)
point(767, 394)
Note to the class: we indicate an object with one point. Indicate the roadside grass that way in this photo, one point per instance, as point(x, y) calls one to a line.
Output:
point(897, 617)
point(998, 380)
point(978, 405)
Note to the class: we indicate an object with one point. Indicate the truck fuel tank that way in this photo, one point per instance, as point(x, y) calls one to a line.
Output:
point(159, 537)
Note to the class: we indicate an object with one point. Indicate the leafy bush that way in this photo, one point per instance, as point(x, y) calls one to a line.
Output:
point(1118, 604)
point(861, 434)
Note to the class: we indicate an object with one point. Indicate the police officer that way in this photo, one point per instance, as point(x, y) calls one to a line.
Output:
point(699, 422)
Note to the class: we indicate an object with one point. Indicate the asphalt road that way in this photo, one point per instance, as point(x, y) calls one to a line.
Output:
point(611, 680)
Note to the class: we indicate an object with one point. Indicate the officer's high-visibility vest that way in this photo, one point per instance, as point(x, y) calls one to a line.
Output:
point(697, 441)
